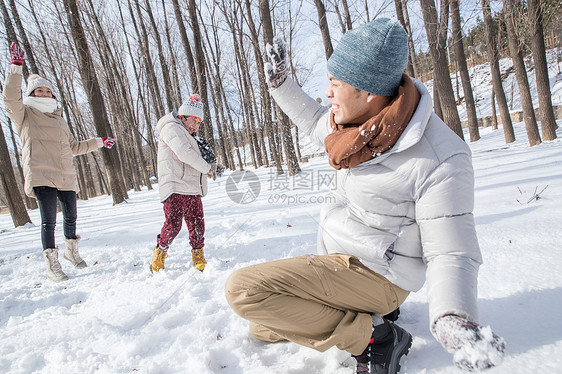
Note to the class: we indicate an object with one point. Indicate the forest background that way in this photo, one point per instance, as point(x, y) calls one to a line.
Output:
point(119, 66)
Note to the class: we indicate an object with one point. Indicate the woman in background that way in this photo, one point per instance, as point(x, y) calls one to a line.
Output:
point(48, 148)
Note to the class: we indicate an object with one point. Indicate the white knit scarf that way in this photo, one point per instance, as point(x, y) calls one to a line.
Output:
point(42, 104)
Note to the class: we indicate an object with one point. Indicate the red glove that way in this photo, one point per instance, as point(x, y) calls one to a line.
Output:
point(17, 54)
point(107, 142)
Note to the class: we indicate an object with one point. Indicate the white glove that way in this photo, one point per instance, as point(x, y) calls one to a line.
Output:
point(276, 69)
point(474, 347)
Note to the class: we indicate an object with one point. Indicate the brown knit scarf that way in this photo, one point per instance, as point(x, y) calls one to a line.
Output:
point(350, 145)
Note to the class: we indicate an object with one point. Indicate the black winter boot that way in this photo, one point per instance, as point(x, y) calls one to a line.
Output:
point(389, 342)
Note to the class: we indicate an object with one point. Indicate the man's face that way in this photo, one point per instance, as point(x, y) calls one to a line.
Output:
point(349, 105)
point(190, 123)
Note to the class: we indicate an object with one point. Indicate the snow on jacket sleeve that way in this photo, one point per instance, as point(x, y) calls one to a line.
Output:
point(450, 246)
point(176, 138)
point(12, 96)
point(310, 117)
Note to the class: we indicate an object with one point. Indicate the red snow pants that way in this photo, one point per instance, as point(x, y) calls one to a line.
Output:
point(183, 207)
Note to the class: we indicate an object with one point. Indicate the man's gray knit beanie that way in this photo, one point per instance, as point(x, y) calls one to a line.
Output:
point(372, 57)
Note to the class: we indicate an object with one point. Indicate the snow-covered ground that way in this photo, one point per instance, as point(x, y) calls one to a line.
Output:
point(116, 317)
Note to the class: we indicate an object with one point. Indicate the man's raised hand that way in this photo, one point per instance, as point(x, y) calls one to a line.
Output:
point(276, 68)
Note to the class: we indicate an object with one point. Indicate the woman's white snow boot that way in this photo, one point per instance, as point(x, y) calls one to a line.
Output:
point(71, 253)
point(54, 270)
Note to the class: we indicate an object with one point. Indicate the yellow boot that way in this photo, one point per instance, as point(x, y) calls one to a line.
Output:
point(158, 259)
point(198, 258)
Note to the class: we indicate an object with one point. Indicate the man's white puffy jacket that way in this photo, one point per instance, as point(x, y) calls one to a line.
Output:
point(406, 214)
point(181, 169)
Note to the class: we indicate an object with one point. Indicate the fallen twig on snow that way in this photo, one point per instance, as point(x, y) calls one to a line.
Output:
point(536, 196)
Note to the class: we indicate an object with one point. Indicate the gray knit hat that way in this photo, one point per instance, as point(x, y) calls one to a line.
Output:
point(192, 107)
point(372, 57)
point(35, 81)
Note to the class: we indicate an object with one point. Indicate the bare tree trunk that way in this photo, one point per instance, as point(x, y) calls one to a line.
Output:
point(548, 121)
point(348, 22)
point(436, 101)
point(400, 15)
point(218, 107)
point(175, 78)
point(463, 70)
point(229, 127)
point(150, 134)
point(117, 80)
point(186, 47)
point(104, 188)
point(95, 99)
point(201, 72)
point(251, 113)
point(288, 144)
point(133, 125)
point(265, 97)
point(521, 74)
point(163, 63)
point(494, 115)
point(90, 185)
point(11, 189)
point(83, 192)
point(29, 202)
point(29, 55)
point(411, 47)
point(144, 44)
point(287, 140)
point(223, 136)
point(437, 40)
point(231, 17)
point(213, 56)
point(324, 29)
point(505, 117)
point(334, 4)
point(11, 33)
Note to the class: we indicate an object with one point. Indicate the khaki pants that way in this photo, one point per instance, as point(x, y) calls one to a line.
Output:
point(315, 301)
